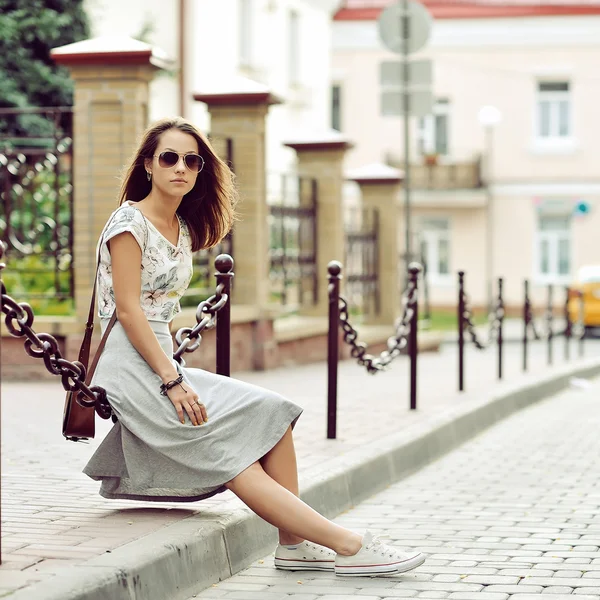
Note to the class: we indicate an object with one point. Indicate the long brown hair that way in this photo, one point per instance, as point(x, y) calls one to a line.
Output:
point(209, 207)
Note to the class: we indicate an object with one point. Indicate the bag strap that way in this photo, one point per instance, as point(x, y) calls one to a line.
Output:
point(84, 350)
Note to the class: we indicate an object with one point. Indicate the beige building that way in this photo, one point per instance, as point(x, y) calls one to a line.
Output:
point(538, 66)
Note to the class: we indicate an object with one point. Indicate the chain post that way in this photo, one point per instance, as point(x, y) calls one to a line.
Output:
point(2, 265)
point(526, 323)
point(549, 323)
point(500, 317)
point(413, 343)
point(224, 275)
point(568, 324)
point(581, 323)
point(334, 269)
point(461, 331)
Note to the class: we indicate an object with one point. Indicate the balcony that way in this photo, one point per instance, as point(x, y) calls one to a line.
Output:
point(442, 173)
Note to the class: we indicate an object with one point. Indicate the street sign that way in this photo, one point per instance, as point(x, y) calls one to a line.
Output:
point(420, 103)
point(420, 73)
point(390, 26)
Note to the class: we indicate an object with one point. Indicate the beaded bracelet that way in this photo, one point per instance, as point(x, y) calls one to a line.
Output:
point(165, 387)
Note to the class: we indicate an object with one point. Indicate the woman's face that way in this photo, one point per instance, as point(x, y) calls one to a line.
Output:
point(178, 179)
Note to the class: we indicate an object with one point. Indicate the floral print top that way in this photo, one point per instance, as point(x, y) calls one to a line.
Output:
point(166, 269)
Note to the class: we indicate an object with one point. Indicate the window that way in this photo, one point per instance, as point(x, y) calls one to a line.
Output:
point(336, 107)
point(435, 247)
point(294, 47)
point(434, 129)
point(554, 110)
point(246, 32)
point(553, 254)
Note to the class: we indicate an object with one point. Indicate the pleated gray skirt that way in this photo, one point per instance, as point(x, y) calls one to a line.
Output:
point(150, 455)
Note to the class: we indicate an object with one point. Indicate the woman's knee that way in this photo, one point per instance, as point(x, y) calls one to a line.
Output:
point(253, 470)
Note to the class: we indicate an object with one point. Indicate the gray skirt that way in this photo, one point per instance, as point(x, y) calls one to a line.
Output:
point(150, 455)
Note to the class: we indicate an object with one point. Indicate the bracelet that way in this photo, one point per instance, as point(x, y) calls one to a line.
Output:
point(165, 387)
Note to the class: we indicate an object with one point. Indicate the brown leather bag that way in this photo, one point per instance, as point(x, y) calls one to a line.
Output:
point(78, 420)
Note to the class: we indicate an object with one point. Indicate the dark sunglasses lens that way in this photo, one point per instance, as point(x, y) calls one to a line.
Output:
point(194, 162)
point(167, 159)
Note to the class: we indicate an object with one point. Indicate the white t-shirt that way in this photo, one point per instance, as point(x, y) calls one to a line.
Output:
point(166, 269)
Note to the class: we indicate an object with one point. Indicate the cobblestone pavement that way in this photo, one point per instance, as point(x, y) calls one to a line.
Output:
point(511, 514)
point(53, 518)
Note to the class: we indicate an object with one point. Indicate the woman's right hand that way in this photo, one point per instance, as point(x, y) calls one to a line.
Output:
point(184, 398)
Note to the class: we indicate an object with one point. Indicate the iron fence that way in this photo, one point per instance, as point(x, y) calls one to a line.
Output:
point(293, 239)
point(203, 260)
point(36, 201)
point(362, 260)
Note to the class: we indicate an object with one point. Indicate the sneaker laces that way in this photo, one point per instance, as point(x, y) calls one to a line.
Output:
point(318, 548)
point(378, 546)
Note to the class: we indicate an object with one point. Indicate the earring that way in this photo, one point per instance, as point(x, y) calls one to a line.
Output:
point(148, 175)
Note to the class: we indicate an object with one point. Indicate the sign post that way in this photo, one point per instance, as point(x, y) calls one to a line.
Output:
point(404, 28)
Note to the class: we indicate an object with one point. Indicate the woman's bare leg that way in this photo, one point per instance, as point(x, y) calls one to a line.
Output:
point(280, 507)
point(280, 464)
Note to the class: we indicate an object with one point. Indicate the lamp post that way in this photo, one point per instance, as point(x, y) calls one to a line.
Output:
point(489, 117)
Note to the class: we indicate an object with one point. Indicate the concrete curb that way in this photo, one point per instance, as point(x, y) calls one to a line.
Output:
point(178, 560)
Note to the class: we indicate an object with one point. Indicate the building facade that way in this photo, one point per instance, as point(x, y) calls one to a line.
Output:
point(282, 44)
point(516, 195)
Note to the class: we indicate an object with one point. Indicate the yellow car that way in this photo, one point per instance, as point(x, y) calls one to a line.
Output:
point(587, 286)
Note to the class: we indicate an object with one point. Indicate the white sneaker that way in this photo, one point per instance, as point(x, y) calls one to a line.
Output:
point(376, 558)
point(305, 557)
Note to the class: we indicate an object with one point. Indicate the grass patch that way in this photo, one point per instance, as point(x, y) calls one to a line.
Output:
point(447, 320)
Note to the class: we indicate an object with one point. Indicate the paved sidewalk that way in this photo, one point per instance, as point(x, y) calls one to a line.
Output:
point(512, 514)
point(53, 519)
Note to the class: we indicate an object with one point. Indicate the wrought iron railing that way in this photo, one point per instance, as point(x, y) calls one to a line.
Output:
point(36, 203)
point(362, 260)
point(293, 239)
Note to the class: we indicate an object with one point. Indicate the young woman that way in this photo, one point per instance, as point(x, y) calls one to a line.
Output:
point(185, 434)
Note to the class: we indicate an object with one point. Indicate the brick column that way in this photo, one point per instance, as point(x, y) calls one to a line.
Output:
point(112, 79)
point(322, 158)
point(239, 113)
point(380, 188)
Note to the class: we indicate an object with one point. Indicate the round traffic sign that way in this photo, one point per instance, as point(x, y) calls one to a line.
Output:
point(390, 25)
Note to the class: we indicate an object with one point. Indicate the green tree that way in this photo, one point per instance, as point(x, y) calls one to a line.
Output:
point(29, 29)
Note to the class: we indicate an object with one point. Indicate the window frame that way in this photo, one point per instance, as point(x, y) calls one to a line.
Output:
point(554, 98)
point(428, 139)
point(431, 237)
point(553, 237)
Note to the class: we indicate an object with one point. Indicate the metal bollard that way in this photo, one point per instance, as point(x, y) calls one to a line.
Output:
point(413, 342)
point(224, 275)
point(549, 323)
point(568, 325)
point(500, 325)
point(581, 324)
point(526, 314)
point(461, 331)
point(334, 269)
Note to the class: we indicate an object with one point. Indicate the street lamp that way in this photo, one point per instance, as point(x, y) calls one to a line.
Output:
point(489, 117)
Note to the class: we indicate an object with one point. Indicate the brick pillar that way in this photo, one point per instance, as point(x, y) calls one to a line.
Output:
point(322, 158)
point(380, 187)
point(112, 78)
point(239, 113)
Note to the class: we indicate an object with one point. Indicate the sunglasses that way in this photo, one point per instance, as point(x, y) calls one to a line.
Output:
point(168, 159)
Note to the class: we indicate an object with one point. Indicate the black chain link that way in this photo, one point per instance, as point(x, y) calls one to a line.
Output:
point(494, 319)
point(395, 344)
point(19, 322)
point(190, 338)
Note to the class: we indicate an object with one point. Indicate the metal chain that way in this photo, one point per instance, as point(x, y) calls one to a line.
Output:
point(395, 344)
point(19, 322)
point(190, 338)
point(536, 334)
point(494, 319)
